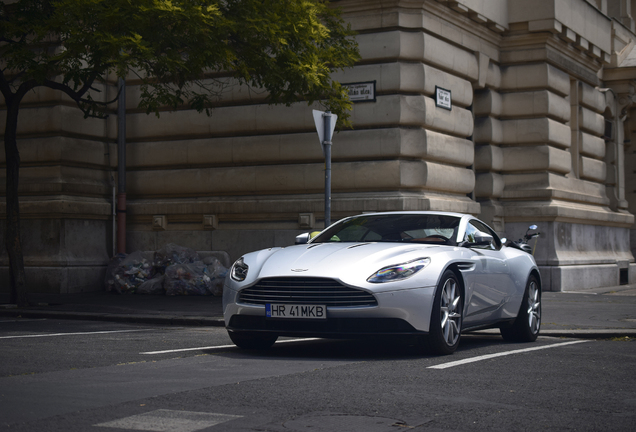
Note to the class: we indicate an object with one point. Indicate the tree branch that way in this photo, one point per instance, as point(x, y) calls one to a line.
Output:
point(86, 105)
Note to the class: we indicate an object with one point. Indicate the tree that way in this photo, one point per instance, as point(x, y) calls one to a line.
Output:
point(182, 51)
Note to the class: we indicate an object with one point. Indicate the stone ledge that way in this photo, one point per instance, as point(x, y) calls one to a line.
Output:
point(299, 178)
point(62, 208)
point(254, 207)
point(421, 47)
point(585, 20)
point(350, 145)
point(537, 103)
point(544, 186)
point(388, 111)
point(554, 210)
point(578, 277)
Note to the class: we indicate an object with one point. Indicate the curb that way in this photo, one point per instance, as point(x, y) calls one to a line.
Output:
point(123, 318)
point(591, 333)
point(576, 333)
point(219, 322)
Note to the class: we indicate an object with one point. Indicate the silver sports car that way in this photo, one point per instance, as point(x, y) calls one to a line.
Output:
point(428, 274)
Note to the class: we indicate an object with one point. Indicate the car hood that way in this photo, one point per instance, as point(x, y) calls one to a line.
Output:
point(351, 263)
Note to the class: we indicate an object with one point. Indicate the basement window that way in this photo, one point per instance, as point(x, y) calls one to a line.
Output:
point(624, 276)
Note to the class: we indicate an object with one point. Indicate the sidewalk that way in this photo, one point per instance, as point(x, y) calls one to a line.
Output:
point(106, 306)
point(596, 313)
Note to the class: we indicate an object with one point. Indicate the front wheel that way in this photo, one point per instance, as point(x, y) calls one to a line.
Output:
point(446, 316)
point(526, 326)
point(252, 340)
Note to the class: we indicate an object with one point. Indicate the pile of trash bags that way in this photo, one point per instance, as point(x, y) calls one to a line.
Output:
point(172, 270)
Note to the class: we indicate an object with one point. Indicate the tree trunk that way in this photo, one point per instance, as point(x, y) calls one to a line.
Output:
point(18, 294)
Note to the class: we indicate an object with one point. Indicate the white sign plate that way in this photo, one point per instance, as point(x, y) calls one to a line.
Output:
point(319, 120)
point(361, 92)
point(443, 98)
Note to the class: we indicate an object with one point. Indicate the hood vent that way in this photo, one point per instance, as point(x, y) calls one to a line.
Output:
point(358, 245)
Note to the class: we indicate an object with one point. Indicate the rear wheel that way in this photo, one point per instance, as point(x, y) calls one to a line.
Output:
point(526, 326)
point(446, 316)
point(252, 340)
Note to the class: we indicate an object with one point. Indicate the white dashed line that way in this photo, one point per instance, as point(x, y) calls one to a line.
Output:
point(22, 320)
point(217, 347)
point(502, 354)
point(70, 334)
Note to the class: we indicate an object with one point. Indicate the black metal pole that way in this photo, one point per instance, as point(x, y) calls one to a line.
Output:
point(121, 168)
point(327, 148)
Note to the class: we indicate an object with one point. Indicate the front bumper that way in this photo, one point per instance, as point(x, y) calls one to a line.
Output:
point(398, 312)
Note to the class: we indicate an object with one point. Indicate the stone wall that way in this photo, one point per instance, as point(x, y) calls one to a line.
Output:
point(525, 142)
point(65, 194)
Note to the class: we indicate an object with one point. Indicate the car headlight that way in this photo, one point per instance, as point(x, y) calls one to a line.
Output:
point(239, 270)
point(398, 272)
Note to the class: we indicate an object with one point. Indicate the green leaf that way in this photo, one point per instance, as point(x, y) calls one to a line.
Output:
point(287, 47)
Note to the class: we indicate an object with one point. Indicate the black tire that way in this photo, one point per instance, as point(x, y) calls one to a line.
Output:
point(527, 325)
point(252, 340)
point(446, 316)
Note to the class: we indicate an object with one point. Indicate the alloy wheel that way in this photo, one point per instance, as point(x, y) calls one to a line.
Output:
point(449, 312)
point(534, 307)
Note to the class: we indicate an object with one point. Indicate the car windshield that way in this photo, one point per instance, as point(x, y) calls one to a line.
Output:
point(413, 228)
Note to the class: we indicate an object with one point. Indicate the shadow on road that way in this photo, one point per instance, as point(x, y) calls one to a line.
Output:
point(379, 348)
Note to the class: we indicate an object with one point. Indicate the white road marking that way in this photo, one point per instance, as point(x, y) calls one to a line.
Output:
point(506, 353)
point(70, 334)
point(164, 420)
point(218, 347)
point(22, 320)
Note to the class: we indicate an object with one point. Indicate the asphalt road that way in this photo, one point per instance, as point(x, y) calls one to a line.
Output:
point(96, 376)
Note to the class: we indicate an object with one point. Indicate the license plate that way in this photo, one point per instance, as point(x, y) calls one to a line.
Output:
point(295, 311)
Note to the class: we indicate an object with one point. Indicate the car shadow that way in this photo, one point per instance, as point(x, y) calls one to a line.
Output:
point(377, 348)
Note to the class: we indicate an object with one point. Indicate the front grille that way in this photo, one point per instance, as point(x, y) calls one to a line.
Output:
point(296, 290)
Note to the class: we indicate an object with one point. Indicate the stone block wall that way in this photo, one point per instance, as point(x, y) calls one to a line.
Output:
point(255, 168)
point(65, 194)
point(561, 173)
point(525, 142)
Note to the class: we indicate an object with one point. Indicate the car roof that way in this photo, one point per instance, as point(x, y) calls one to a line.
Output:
point(422, 212)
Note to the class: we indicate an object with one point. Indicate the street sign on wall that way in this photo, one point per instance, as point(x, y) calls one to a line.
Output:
point(361, 91)
point(443, 98)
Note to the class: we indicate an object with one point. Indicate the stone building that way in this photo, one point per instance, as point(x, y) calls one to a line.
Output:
point(542, 111)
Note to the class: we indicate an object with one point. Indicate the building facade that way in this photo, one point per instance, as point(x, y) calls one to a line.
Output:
point(542, 113)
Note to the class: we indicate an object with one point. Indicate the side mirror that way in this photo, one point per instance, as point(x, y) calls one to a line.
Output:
point(482, 239)
point(477, 239)
point(302, 238)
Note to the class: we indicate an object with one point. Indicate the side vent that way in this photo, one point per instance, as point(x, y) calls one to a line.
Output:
point(465, 266)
